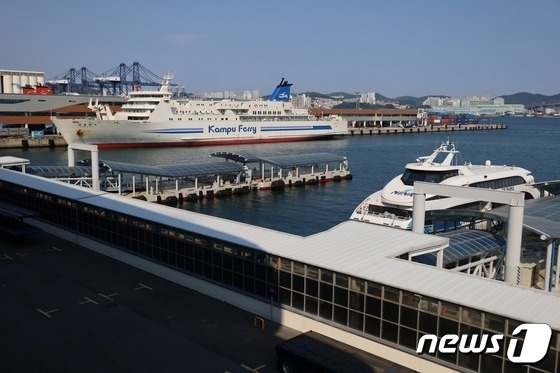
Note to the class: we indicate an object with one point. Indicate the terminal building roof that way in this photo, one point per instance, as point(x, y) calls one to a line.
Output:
point(365, 251)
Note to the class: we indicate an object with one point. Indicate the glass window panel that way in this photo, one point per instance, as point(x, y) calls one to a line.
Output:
point(227, 278)
point(274, 262)
point(238, 280)
point(325, 292)
point(227, 261)
point(311, 287)
point(389, 331)
point(312, 272)
point(407, 337)
point(284, 296)
point(341, 296)
point(374, 289)
point(261, 289)
point(325, 310)
point(448, 327)
point(249, 284)
point(410, 299)
point(471, 360)
point(391, 312)
point(391, 294)
point(450, 310)
point(427, 323)
point(299, 268)
point(249, 268)
point(285, 279)
point(311, 305)
point(260, 271)
point(373, 306)
point(326, 276)
point(342, 280)
point(356, 320)
point(217, 273)
point(372, 326)
point(238, 265)
point(340, 315)
point(357, 284)
point(450, 357)
point(547, 363)
point(429, 305)
point(260, 257)
point(297, 301)
point(409, 317)
point(286, 265)
point(298, 283)
point(357, 301)
point(494, 322)
point(510, 367)
point(471, 316)
point(490, 364)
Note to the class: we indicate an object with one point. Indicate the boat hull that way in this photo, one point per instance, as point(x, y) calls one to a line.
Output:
point(108, 134)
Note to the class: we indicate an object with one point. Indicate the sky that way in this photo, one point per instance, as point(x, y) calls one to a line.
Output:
point(395, 48)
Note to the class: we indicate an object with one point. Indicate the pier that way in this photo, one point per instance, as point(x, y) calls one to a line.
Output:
point(176, 183)
point(424, 129)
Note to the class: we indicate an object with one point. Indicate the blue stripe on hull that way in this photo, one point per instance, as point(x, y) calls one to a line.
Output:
point(176, 130)
point(296, 128)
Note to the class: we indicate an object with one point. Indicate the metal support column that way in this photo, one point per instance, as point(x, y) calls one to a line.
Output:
point(513, 246)
point(418, 212)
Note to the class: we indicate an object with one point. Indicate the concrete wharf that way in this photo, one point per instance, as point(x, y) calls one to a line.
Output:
point(424, 129)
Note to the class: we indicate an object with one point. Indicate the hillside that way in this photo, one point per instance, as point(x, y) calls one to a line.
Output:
point(525, 98)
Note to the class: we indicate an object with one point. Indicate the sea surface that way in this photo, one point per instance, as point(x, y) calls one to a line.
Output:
point(531, 143)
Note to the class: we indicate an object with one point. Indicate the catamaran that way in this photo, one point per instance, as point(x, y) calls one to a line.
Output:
point(392, 206)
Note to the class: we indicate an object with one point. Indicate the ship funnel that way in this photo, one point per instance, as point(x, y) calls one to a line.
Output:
point(282, 92)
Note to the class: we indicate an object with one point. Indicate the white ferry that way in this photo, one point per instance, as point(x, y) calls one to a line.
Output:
point(156, 118)
point(392, 206)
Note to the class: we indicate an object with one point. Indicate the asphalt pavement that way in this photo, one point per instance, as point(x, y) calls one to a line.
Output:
point(64, 308)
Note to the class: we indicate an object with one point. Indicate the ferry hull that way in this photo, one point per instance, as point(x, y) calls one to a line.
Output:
point(116, 134)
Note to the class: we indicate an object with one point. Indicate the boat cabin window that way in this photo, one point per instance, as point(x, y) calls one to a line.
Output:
point(506, 182)
point(410, 176)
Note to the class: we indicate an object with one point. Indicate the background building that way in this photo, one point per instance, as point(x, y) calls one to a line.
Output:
point(13, 81)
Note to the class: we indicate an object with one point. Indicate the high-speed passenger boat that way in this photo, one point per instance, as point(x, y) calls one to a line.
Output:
point(392, 206)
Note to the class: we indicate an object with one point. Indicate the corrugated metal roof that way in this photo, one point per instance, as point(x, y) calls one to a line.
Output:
point(363, 250)
point(464, 243)
point(176, 170)
point(291, 160)
point(59, 171)
point(541, 215)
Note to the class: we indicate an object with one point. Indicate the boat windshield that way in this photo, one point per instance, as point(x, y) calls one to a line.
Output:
point(410, 176)
point(391, 212)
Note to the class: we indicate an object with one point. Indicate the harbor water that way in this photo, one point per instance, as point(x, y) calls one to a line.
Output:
point(531, 143)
